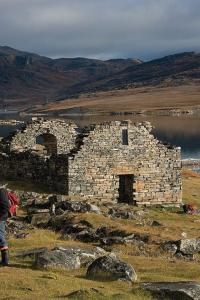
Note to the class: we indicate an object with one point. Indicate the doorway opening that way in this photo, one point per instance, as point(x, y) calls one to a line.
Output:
point(47, 143)
point(126, 189)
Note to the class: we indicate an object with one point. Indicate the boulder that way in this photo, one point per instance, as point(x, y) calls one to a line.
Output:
point(189, 246)
point(111, 268)
point(95, 209)
point(183, 247)
point(35, 210)
point(57, 259)
point(68, 224)
point(87, 235)
point(42, 202)
point(40, 220)
point(170, 247)
point(91, 293)
point(109, 241)
point(77, 206)
point(145, 238)
point(117, 213)
point(173, 290)
point(86, 256)
point(103, 231)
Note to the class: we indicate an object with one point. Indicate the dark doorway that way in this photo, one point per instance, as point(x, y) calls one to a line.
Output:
point(126, 188)
point(48, 142)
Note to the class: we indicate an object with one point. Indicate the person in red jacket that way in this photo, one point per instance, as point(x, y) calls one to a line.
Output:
point(4, 212)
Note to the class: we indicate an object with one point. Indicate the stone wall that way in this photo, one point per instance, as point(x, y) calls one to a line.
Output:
point(50, 172)
point(118, 161)
point(64, 133)
point(95, 169)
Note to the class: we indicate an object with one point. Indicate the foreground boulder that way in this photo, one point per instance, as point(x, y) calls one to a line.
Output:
point(86, 256)
point(57, 259)
point(68, 258)
point(111, 268)
point(173, 290)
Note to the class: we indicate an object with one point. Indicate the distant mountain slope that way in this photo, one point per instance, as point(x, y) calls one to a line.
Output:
point(28, 79)
point(172, 70)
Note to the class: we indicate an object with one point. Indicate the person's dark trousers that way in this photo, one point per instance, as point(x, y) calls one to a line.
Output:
point(3, 244)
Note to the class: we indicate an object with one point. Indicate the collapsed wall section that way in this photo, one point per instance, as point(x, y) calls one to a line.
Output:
point(59, 132)
point(123, 158)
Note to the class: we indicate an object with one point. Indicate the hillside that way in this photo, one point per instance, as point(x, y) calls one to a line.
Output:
point(153, 100)
point(173, 70)
point(27, 79)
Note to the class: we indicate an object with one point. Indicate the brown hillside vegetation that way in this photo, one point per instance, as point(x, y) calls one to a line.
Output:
point(132, 100)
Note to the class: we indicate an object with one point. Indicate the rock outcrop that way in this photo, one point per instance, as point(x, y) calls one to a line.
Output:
point(67, 258)
point(183, 248)
point(58, 259)
point(111, 268)
point(173, 290)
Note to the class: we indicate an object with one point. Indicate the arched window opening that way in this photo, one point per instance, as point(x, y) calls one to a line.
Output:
point(46, 143)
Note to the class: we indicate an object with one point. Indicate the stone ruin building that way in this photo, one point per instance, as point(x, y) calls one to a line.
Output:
point(119, 161)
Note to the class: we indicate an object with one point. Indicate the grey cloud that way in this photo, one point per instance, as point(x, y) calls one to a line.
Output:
point(104, 29)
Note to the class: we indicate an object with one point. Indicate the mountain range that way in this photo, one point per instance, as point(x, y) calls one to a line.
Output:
point(28, 79)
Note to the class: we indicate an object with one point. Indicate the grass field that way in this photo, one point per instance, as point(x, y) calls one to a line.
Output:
point(21, 280)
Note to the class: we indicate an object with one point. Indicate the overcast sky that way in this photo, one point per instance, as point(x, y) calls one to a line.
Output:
point(101, 28)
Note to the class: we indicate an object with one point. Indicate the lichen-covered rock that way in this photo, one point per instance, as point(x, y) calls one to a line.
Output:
point(57, 259)
point(122, 214)
point(40, 219)
point(77, 206)
point(111, 268)
point(189, 246)
point(170, 247)
point(87, 236)
point(183, 247)
point(86, 256)
point(173, 290)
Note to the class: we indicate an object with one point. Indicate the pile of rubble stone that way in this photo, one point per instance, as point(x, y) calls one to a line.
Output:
point(57, 212)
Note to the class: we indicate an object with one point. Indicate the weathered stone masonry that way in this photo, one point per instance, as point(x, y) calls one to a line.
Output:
point(119, 161)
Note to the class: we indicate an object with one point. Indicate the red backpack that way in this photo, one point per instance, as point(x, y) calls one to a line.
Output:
point(14, 202)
